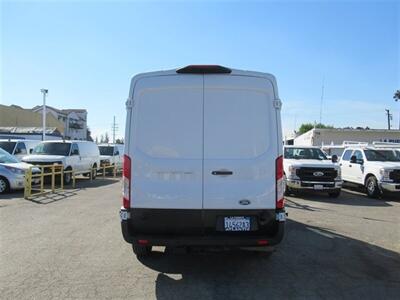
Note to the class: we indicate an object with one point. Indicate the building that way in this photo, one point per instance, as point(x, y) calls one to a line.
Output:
point(336, 136)
point(17, 117)
point(74, 121)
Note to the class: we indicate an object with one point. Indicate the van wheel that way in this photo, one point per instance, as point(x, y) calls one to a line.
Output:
point(334, 194)
point(4, 185)
point(94, 171)
point(141, 250)
point(68, 177)
point(372, 188)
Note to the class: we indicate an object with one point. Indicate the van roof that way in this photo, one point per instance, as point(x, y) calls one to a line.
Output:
point(206, 69)
point(66, 141)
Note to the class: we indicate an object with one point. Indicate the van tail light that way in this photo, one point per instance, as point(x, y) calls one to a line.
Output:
point(127, 181)
point(279, 183)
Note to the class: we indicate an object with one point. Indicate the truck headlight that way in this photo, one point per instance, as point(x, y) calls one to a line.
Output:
point(15, 170)
point(385, 173)
point(292, 171)
point(339, 173)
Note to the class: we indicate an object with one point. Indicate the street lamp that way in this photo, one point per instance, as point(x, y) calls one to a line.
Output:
point(44, 92)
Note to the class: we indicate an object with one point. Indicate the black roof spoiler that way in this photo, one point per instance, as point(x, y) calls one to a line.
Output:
point(204, 69)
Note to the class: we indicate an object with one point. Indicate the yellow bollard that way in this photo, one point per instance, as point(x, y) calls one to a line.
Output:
point(28, 183)
point(52, 178)
point(41, 180)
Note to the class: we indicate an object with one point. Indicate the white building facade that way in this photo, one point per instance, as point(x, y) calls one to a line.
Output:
point(321, 137)
point(74, 120)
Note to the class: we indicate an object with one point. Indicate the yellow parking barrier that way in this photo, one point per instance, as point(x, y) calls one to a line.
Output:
point(57, 169)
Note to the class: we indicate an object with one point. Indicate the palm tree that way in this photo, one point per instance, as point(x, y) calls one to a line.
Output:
point(396, 96)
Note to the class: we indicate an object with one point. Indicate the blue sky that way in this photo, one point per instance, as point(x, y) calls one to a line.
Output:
point(85, 53)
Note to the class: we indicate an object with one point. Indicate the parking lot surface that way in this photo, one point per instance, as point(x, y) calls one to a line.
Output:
point(70, 246)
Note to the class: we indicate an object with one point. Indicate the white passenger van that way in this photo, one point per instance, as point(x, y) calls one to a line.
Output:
point(79, 156)
point(18, 148)
point(203, 159)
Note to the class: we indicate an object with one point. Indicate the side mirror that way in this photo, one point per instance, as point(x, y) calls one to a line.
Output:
point(30, 151)
point(360, 161)
point(334, 158)
point(353, 159)
point(116, 152)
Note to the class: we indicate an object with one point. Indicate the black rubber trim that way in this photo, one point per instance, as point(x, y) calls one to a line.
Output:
point(204, 69)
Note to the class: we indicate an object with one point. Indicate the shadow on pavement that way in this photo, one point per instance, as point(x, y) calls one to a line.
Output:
point(311, 262)
point(347, 197)
point(82, 183)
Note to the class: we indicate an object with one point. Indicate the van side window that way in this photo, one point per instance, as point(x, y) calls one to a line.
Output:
point(347, 155)
point(74, 149)
point(20, 149)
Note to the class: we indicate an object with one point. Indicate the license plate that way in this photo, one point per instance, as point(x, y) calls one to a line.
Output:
point(237, 223)
point(123, 215)
point(318, 187)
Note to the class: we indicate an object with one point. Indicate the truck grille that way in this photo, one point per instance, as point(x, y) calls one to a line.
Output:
point(308, 174)
point(395, 176)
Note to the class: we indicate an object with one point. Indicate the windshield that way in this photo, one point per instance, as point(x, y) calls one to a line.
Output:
point(53, 149)
point(6, 157)
point(382, 155)
point(8, 146)
point(106, 150)
point(304, 153)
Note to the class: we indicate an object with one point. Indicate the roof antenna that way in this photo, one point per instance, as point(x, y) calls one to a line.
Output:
point(322, 100)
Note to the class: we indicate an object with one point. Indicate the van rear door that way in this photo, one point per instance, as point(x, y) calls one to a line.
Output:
point(240, 142)
point(166, 143)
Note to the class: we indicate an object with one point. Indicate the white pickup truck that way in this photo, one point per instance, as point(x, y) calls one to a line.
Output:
point(378, 170)
point(308, 168)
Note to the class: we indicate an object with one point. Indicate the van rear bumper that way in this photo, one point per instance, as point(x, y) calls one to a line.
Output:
point(266, 229)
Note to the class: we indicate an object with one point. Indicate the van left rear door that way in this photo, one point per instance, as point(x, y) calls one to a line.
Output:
point(166, 143)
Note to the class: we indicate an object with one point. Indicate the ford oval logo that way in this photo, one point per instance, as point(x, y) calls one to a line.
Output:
point(318, 174)
point(244, 202)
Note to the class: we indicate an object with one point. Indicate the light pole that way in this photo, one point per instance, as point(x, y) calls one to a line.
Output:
point(44, 92)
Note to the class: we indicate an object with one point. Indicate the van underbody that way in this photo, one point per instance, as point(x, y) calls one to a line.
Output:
point(190, 227)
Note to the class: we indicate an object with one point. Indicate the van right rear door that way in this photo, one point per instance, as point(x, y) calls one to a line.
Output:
point(240, 142)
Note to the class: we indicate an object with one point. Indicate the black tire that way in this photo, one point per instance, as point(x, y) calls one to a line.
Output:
point(94, 171)
point(141, 250)
point(68, 177)
point(372, 188)
point(4, 185)
point(334, 194)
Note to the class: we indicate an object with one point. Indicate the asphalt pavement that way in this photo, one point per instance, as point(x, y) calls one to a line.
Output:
point(70, 246)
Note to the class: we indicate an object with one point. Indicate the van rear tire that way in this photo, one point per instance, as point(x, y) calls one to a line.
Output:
point(141, 250)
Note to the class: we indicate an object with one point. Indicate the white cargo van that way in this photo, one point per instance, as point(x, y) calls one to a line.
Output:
point(79, 156)
point(18, 148)
point(111, 154)
point(203, 159)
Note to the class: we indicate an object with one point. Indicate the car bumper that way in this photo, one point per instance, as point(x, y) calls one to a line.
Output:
point(18, 182)
point(313, 185)
point(390, 187)
point(198, 235)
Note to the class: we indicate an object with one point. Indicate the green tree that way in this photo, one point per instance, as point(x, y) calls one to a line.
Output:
point(308, 126)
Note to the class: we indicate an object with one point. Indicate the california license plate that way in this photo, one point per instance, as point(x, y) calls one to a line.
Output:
point(318, 187)
point(237, 223)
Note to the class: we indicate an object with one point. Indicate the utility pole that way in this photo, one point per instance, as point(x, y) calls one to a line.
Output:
point(389, 117)
point(114, 128)
point(44, 92)
point(322, 100)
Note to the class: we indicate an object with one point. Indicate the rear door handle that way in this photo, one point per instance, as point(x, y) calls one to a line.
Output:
point(222, 172)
